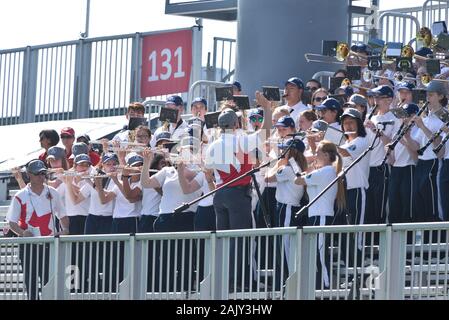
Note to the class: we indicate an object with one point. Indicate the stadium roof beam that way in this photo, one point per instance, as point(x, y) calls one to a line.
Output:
point(225, 10)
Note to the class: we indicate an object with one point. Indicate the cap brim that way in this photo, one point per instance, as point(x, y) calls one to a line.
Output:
point(135, 162)
point(38, 171)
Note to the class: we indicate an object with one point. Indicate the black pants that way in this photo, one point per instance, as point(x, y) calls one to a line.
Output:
point(120, 226)
point(376, 195)
point(99, 252)
point(444, 189)
point(77, 224)
point(233, 209)
point(171, 269)
point(355, 204)
point(35, 260)
point(400, 194)
point(269, 200)
point(425, 196)
point(98, 224)
point(146, 224)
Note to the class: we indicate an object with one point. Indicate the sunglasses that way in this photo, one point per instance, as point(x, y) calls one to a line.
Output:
point(319, 99)
point(312, 88)
point(258, 119)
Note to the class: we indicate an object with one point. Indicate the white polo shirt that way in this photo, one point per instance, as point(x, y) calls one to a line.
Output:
point(176, 132)
point(295, 111)
point(357, 177)
point(377, 155)
point(151, 200)
point(96, 208)
point(402, 156)
point(80, 209)
point(123, 208)
point(33, 211)
point(287, 191)
point(316, 182)
point(172, 194)
point(433, 123)
point(200, 178)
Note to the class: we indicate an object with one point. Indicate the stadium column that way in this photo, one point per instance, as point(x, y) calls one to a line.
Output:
point(274, 35)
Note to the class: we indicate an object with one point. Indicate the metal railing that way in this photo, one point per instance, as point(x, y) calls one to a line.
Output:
point(85, 78)
point(398, 27)
point(404, 261)
point(224, 58)
point(205, 89)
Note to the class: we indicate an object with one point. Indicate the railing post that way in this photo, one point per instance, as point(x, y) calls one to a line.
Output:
point(197, 49)
point(126, 287)
point(308, 266)
point(217, 268)
point(29, 80)
point(292, 283)
point(140, 261)
point(81, 90)
point(136, 67)
point(396, 266)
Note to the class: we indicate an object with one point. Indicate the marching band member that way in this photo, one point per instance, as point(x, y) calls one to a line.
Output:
point(376, 195)
point(135, 110)
point(425, 200)
point(294, 88)
point(68, 138)
point(176, 130)
point(327, 165)
point(330, 111)
point(47, 138)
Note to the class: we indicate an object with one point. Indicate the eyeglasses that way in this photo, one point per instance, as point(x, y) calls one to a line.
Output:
point(257, 119)
point(312, 88)
point(319, 99)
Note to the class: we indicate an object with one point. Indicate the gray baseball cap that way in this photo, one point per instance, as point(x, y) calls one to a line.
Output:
point(319, 125)
point(359, 99)
point(227, 119)
point(55, 153)
point(437, 86)
point(353, 113)
point(82, 158)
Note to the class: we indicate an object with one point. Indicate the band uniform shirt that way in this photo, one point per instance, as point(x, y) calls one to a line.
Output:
point(377, 155)
point(33, 211)
point(433, 123)
point(402, 156)
point(287, 191)
point(230, 157)
point(96, 208)
point(357, 177)
point(316, 181)
point(151, 200)
point(200, 178)
point(176, 131)
point(123, 208)
point(295, 111)
point(80, 209)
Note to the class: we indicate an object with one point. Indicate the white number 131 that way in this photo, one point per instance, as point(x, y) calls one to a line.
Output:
point(167, 68)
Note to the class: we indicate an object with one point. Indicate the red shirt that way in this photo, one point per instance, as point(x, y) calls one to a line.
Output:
point(94, 158)
point(43, 157)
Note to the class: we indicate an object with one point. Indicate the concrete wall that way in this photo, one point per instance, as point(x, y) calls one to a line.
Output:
point(274, 35)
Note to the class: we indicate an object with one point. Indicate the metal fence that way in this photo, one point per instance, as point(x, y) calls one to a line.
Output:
point(408, 261)
point(75, 79)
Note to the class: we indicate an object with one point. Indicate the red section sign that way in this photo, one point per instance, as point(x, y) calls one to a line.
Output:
point(166, 63)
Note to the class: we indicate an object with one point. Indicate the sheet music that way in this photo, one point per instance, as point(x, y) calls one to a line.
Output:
point(334, 135)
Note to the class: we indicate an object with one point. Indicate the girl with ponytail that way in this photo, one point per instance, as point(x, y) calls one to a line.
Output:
point(328, 164)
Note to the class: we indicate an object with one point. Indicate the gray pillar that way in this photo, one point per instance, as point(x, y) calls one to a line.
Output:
point(274, 35)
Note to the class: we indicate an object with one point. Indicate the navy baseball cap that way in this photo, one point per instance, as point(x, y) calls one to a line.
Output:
point(383, 91)
point(36, 167)
point(82, 158)
point(256, 113)
point(360, 48)
point(176, 100)
point(199, 100)
point(411, 109)
point(55, 153)
point(423, 52)
point(353, 113)
point(238, 85)
point(319, 125)
point(164, 135)
point(406, 86)
point(330, 104)
point(294, 143)
point(83, 138)
point(285, 122)
point(133, 159)
point(296, 81)
point(79, 148)
point(109, 156)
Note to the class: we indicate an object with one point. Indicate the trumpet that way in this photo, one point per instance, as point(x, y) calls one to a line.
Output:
point(426, 78)
point(343, 52)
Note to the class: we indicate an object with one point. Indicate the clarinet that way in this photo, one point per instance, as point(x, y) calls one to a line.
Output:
point(402, 131)
point(431, 140)
point(373, 111)
point(441, 145)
